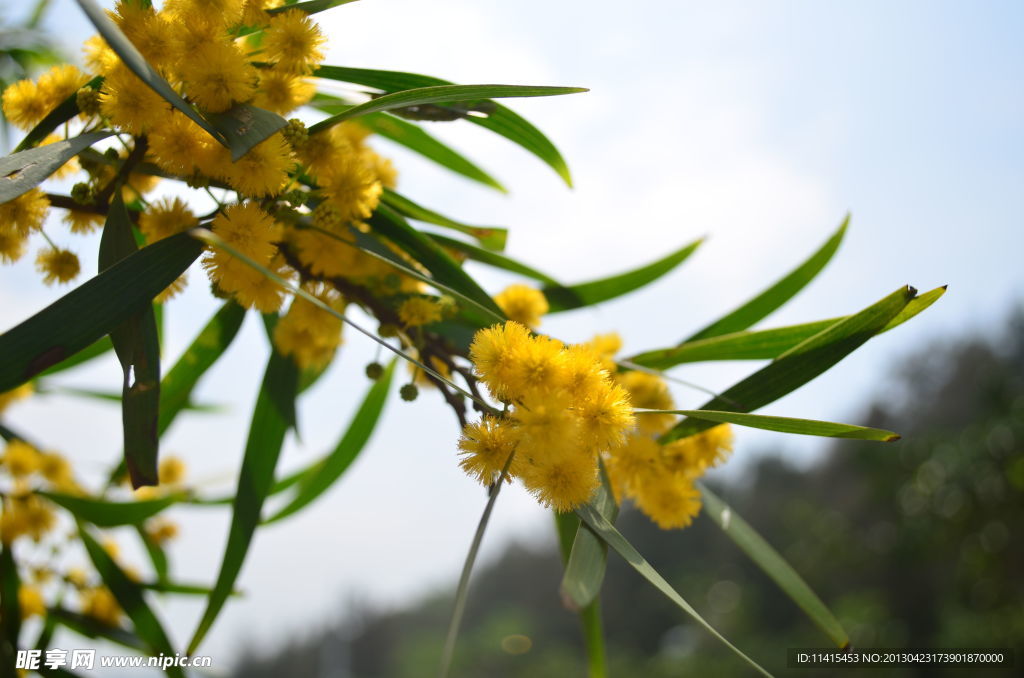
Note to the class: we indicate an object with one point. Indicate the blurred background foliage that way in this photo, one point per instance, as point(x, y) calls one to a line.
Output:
point(919, 544)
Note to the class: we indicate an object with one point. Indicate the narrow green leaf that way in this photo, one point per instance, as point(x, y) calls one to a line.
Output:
point(179, 588)
point(103, 513)
point(320, 476)
point(23, 171)
point(568, 525)
point(501, 120)
point(156, 553)
point(491, 237)
point(773, 564)
point(137, 346)
point(584, 573)
point(493, 259)
point(310, 7)
point(807, 427)
point(64, 111)
point(764, 344)
point(394, 227)
point(204, 351)
point(239, 128)
point(10, 607)
point(800, 364)
point(94, 350)
point(273, 415)
point(85, 314)
point(440, 94)
point(776, 295)
point(90, 628)
point(607, 532)
point(129, 596)
point(596, 291)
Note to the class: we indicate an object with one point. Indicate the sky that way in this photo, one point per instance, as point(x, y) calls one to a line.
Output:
point(758, 125)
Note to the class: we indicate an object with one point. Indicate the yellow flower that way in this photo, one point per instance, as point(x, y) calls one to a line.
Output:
point(161, 530)
point(322, 254)
point(563, 483)
point(176, 143)
point(172, 290)
point(25, 213)
point(23, 105)
point(54, 467)
point(537, 365)
point(57, 265)
point(20, 458)
point(12, 246)
point(77, 577)
point(226, 12)
point(148, 31)
point(417, 311)
point(249, 287)
point(485, 447)
point(606, 416)
point(100, 604)
point(351, 186)
point(129, 103)
point(671, 501)
point(491, 353)
point(14, 395)
point(523, 304)
point(59, 83)
point(98, 56)
point(248, 229)
point(26, 515)
point(253, 13)
point(310, 335)
point(171, 471)
point(649, 391)
point(292, 42)
point(30, 599)
point(704, 450)
point(217, 75)
point(263, 170)
point(282, 92)
point(83, 222)
point(166, 217)
point(640, 455)
point(547, 428)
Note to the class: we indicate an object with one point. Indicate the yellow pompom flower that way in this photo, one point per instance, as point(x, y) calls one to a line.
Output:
point(562, 483)
point(59, 83)
point(129, 103)
point(25, 213)
point(491, 353)
point(247, 286)
point(606, 416)
point(547, 427)
point(254, 14)
point(309, 334)
point(282, 92)
point(99, 604)
point(537, 365)
point(176, 143)
point(171, 471)
point(263, 170)
point(484, 448)
point(161, 530)
point(352, 187)
point(670, 500)
point(523, 304)
point(54, 467)
point(34, 516)
point(217, 75)
point(149, 31)
point(649, 391)
point(12, 246)
point(165, 218)
point(250, 230)
point(172, 290)
point(20, 459)
point(83, 222)
point(23, 104)
point(292, 42)
point(14, 395)
point(417, 311)
point(30, 600)
point(98, 56)
point(321, 254)
point(57, 265)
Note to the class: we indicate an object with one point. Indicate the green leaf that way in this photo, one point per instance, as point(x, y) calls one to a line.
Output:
point(607, 532)
point(273, 415)
point(568, 524)
point(394, 227)
point(90, 628)
point(763, 344)
point(20, 172)
point(239, 128)
point(807, 427)
point(137, 346)
point(776, 295)
point(129, 596)
point(501, 120)
point(93, 350)
point(321, 475)
point(439, 94)
point(310, 7)
point(64, 111)
point(596, 291)
point(769, 560)
point(491, 237)
point(800, 364)
point(85, 314)
point(156, 553)
point(416, 139)
point(493, 259)
point(584, 572)
point(204, 351)
point(10, 607)
point(103, 513)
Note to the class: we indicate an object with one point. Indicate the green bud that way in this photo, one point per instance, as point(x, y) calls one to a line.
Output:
point(374, 371)
point(409, 392)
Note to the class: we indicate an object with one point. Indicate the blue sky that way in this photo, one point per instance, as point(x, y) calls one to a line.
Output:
point(757, 124)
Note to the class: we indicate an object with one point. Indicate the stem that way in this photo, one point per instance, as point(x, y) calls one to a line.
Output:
point(463, 589)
